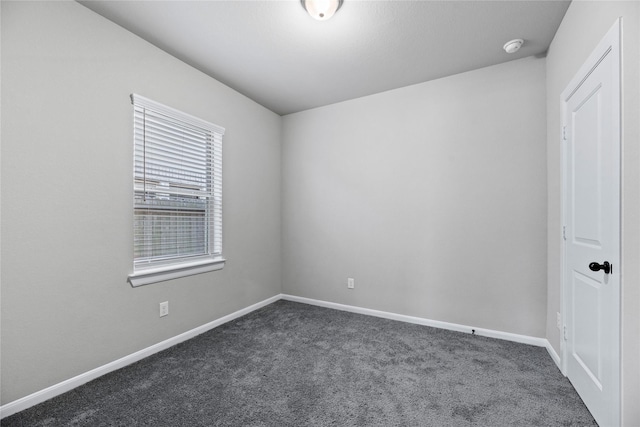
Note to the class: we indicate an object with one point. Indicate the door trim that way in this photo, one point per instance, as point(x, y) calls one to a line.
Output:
point(609, 45)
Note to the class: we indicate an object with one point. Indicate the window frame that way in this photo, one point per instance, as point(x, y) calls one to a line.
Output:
point(152, 269)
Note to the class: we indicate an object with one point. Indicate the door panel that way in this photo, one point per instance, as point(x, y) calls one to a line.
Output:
point(591, 351)
point(586, 340)
point(587, 189)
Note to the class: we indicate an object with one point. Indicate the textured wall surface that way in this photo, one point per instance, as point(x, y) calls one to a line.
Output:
point(433, 197)
point(67, 221)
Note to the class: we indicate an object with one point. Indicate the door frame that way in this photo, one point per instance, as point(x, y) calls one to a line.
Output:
point(609, 44)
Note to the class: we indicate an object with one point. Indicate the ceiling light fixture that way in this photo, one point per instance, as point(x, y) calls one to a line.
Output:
point(513, 45)
point(321, 9)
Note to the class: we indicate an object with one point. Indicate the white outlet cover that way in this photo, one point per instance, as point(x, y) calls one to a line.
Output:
point(164, 308)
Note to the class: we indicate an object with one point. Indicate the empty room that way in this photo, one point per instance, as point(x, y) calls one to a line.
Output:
point(320, 212)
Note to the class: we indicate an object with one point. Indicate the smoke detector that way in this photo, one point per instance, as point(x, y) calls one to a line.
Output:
point(513, 45)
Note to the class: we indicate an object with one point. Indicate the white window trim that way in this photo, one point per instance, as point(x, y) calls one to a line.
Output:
point(175, 271)
point(159, 273)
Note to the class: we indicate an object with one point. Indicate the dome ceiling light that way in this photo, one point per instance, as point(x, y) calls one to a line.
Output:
point(321, 9)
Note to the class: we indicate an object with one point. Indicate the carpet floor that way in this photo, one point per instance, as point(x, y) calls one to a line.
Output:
point(291, 364)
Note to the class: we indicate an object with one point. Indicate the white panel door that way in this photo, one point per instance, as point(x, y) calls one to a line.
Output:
point(591, 133)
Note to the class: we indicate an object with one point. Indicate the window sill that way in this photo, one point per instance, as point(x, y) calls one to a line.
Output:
point(161, 274)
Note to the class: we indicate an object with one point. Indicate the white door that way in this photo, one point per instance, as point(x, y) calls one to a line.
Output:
point(591, 133)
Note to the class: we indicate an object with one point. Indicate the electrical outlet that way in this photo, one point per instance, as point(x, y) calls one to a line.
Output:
point(164, 308)
point(351, 283)
point(558, 320)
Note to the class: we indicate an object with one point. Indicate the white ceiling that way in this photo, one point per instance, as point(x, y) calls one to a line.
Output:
point(273, 52)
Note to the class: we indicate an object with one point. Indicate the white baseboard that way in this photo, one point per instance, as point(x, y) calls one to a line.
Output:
point(64, 386)
point(554, 355)
point(524, 339)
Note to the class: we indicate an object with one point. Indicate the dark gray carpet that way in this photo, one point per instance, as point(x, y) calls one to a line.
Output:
point(291, 364)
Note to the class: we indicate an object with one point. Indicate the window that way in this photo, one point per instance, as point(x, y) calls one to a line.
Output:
point(177, 186)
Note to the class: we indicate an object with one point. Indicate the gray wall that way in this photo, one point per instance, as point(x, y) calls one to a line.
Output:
point(433, 197)
point(584, 24)
point(67, 194)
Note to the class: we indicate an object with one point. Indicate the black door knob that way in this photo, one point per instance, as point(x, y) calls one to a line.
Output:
point(594, 266)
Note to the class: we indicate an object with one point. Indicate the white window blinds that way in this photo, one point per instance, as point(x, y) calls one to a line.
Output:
point(177, 187)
